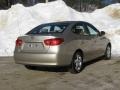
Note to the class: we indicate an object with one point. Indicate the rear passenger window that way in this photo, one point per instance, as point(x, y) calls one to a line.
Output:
point(79, 29)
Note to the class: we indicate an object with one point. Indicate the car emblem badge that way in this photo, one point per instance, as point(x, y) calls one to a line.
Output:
point(30, 45)
point(32, 37)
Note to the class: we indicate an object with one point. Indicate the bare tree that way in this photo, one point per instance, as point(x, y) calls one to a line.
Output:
point(46, 1)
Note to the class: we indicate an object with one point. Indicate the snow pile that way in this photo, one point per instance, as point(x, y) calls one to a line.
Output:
point(19, 19)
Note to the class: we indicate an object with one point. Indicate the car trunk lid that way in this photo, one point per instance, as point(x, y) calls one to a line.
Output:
point(34, 44)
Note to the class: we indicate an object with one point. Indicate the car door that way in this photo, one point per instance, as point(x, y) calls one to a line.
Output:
point(97, 41)
point(83, 40)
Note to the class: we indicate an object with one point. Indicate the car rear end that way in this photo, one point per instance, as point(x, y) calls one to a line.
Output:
point(41, 48)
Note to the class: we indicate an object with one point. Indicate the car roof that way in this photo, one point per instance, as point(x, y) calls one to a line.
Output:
point(70, 22)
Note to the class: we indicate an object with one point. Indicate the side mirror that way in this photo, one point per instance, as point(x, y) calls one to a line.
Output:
point(102, 33)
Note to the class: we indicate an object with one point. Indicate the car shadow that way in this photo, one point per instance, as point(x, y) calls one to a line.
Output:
point(50, 69)
point(92, 62)
point(63, 68)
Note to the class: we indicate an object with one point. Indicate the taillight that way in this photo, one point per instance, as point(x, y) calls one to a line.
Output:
point(19, 42)
point(53, 42)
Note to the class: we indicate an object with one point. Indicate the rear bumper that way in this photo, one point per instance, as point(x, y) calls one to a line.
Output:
point(41, 59)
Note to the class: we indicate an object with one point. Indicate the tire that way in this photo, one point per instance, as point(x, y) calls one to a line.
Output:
point(108, 52)
point(29, 67)
point(77, 63)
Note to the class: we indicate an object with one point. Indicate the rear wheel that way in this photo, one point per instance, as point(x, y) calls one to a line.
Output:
point(108, 52)
point(77, 62)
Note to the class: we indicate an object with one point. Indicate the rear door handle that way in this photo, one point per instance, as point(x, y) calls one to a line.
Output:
point(95, 41)
point(102, 38)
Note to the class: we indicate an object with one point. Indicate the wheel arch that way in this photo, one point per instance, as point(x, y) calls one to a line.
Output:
point(109, 44)
point(81, 51)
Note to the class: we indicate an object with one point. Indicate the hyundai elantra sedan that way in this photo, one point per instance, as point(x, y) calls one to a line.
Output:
point(61, 44)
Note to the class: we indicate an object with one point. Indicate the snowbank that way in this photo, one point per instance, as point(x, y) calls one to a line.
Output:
point(19, 19)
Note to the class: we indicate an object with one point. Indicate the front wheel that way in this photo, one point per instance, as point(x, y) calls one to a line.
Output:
point(108, 52)
point(77, 63)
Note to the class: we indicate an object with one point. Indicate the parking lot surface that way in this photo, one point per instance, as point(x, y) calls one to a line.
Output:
point(97, 75)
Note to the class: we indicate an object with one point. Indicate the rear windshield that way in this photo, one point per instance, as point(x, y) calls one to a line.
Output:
point(49, 28)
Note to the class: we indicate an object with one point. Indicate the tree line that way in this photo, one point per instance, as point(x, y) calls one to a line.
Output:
point(80, 5)
point(89, 5)
point(5, 4)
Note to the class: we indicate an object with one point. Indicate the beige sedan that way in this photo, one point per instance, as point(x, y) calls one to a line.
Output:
point(60, 44)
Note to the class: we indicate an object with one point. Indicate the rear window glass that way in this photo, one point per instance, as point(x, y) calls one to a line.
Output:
point(49, 28)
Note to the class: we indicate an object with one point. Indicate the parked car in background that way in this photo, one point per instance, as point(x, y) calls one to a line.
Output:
point(61, 44)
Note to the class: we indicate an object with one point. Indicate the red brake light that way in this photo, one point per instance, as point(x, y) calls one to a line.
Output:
point(19, 42)
point(53, 42)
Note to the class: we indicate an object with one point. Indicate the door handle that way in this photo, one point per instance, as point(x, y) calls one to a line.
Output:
point(102, 38)
point(95, 41)
point(83, 42)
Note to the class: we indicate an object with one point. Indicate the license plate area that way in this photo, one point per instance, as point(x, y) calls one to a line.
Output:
point(34, 47)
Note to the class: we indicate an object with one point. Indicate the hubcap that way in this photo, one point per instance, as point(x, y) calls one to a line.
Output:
point(78, 62)
point(108, 52)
